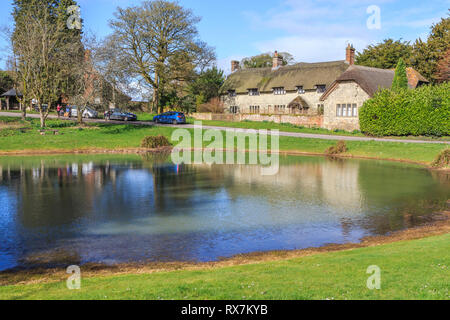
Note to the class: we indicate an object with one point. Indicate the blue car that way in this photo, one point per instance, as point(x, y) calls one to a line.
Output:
point(170, 117)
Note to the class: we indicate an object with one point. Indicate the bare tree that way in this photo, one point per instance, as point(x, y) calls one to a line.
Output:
point(155, 34)
point(46, 52)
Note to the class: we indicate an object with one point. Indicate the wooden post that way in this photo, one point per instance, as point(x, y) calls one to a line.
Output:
point(7, 103)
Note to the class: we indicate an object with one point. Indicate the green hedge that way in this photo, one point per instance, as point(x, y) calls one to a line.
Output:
point(421, 112)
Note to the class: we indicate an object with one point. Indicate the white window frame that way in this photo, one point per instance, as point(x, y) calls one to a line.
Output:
point(301, 90)
point(279, 91)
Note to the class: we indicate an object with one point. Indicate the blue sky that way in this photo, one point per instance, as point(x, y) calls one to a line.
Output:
point(311, 30)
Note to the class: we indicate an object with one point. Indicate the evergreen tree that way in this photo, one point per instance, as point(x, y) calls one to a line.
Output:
point(400, 78)
point(426, 55)
point(384, 55)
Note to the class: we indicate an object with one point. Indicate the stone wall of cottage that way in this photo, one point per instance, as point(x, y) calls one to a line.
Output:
point(345, 93)
point(310, 121)
point(268, 102)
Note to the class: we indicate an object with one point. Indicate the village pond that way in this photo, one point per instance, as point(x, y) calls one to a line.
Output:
point(64, 210)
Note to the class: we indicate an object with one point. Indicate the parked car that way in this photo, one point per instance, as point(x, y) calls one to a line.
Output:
point(170, 117)
point(90, 113)
point(120, 115)
point(44, 107)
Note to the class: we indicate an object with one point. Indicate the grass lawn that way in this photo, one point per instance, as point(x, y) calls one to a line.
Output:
point(16, 135)
point(417, 269)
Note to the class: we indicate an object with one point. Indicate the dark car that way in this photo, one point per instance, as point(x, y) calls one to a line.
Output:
point(170, 117)
point(120, 115)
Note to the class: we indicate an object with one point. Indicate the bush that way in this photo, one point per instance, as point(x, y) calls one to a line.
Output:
point(154, 142)
point(340, 147)
point(442, 160)
point(421, 112)
point(215, 105)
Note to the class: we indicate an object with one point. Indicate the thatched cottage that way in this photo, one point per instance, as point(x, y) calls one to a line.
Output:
point(334, 90)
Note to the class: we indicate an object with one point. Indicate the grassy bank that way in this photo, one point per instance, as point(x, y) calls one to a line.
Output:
point(16, 135)
point(415, 269)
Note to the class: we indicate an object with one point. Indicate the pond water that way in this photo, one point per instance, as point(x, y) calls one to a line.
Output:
point(57, 211)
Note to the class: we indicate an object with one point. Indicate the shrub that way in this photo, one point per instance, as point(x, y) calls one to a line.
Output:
point(215, 105)
point(154, 142)
point(340, 147)
point(442, 160)
point(424, 111)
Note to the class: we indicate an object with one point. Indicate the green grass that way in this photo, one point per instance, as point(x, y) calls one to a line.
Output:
point(108, 136)
point(416, 269)
point(286, 127)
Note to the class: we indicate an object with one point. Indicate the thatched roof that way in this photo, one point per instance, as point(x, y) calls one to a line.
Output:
point(373, 79)
point(307, 75)
point(11, 93)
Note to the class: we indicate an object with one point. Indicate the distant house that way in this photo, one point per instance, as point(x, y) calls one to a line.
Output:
point(336, 89)
point(11, 101)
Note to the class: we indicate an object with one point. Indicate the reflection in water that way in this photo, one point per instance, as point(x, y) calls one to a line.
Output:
point(59, 211)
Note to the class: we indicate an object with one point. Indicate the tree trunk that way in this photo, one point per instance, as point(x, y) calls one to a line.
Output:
point(24, 111)
point(42, 116)
point(79, 116)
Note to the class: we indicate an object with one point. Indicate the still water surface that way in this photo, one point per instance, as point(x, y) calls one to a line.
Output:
point(112, 209)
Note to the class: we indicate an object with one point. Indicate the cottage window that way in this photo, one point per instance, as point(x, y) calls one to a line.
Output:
point(300, 90)
point(347, 110)
point(254, 109)
point(321, 88)
point(320, 109)
point(253, 92)
point(232, 93)
point(279, 91)
point(355, 110)
point(280, 108)
point(234, 109)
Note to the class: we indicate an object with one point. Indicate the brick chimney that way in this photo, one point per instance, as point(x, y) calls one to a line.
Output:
point(350, 54)
point(234, 66)
point(277, 61)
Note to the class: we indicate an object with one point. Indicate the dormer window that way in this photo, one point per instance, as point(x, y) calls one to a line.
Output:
point(279, 91)
point(321, 88)
point(232, 93)
point(300, 90)
point(253, 92)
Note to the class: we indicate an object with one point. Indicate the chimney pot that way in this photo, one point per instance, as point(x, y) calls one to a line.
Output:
point(350, 55)
point(234, 66)
point(277, 61)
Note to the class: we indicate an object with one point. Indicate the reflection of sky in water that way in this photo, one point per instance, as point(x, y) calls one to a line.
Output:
point(126, 209)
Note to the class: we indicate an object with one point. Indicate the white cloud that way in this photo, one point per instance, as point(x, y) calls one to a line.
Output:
point(307, 49)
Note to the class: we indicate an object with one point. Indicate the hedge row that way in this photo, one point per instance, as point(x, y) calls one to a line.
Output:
point(421, 112)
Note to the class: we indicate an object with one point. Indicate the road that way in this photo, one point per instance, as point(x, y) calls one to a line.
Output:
point(282, 134)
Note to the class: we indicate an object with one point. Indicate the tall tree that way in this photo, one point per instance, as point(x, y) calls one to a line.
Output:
point(265, 60)
point(443, 68)
point(426, 55)
point(46, 51)
point(384, 55)
point(160, 41)
point(400, 78)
